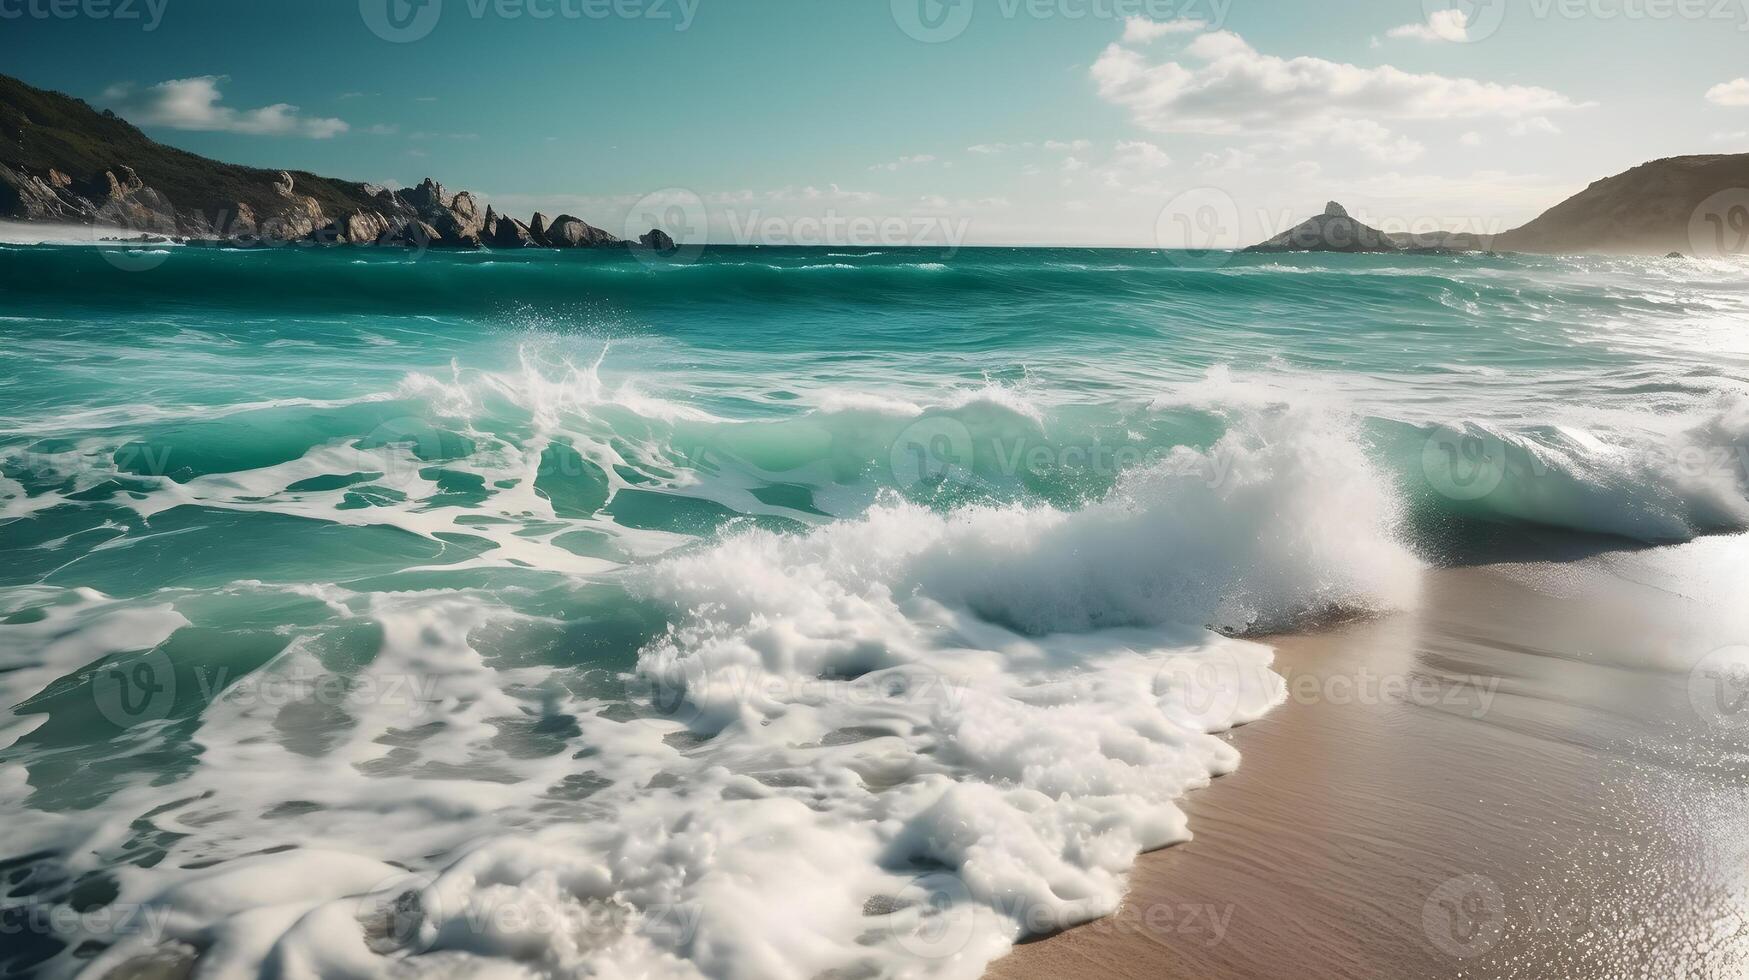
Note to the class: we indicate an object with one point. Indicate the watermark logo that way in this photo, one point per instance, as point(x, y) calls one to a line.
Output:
point(1206, 690)
point(1478, 19)
point(400, 21)
point(1718, 688)
point(936, 21)
point(686, 691)
point(1465, 916)
point(934, 916)
point(1463, 464)
point(677, 212)
point(1196, 228)
point(1471, 694)
point(669, 694)
point(932, 452)
point(1635, 11)
point(133, 238)
point(417, 445)
point(134, 692)
point(1720, 224)
point(150, 13)
point(833, 227)
point(933, 21)
point(394, 913)
point(118, 922)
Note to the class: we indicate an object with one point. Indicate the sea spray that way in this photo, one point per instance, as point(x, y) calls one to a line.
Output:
point(781, 613)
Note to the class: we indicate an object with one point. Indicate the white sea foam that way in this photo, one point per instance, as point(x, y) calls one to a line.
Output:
point(893, 744)
point(990, 396)
point(854, 402)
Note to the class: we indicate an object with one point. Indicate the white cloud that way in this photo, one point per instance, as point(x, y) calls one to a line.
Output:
point(832, 193)
point(1073, 165)
point(1739, 137)
point(1734, 93)
point(193, 103)
point(916, 160)
point(1227, 86)
point(1227, 160)
point(1535, 125)
point(936, 202)
point(1141, 30)
point(1375, 141)
point(1071, 146)
point(1442, 25)
point(1140, 155)
point(1471, 138)
point(989, 148)
point(1133, 167)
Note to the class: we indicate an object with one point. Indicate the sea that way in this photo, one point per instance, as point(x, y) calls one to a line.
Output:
point(817, 613)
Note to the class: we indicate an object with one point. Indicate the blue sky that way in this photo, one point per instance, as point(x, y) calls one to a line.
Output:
point(1073, 121)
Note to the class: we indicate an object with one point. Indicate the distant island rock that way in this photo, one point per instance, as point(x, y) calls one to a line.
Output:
point(62, 161)
point(1337, 231)
point(1332, 231)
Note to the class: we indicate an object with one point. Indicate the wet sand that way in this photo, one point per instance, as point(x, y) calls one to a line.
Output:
point(1542, 773)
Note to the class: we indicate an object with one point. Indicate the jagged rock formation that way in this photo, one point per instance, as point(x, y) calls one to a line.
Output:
point(139, 185)
point(298, 216)
point(570, 232)
point(507, 232)
point(361, 228)
point(35, 198)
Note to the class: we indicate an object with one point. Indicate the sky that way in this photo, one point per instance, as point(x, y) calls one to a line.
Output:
point(1172, 123)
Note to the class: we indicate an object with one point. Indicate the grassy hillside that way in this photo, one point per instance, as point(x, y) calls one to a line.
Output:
point(41, 129)
point(1649, 210)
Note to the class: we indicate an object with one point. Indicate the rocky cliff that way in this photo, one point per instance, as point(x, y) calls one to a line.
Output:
point(63, 161)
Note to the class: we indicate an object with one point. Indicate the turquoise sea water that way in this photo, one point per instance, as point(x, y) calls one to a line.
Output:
point(784, 612)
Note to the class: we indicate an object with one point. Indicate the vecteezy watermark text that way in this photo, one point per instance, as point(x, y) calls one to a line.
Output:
point(150, 13)
point(403, 21)
point(1643, 10)
point(935, 21)
point(145, 689)
point(936, 916)
point(852, 230)
point(114, 922)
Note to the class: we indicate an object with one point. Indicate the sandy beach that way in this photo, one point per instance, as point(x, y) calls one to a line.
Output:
point(1538, 773)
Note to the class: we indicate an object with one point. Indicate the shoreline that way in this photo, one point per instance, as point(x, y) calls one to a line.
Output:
point(1561, 805)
